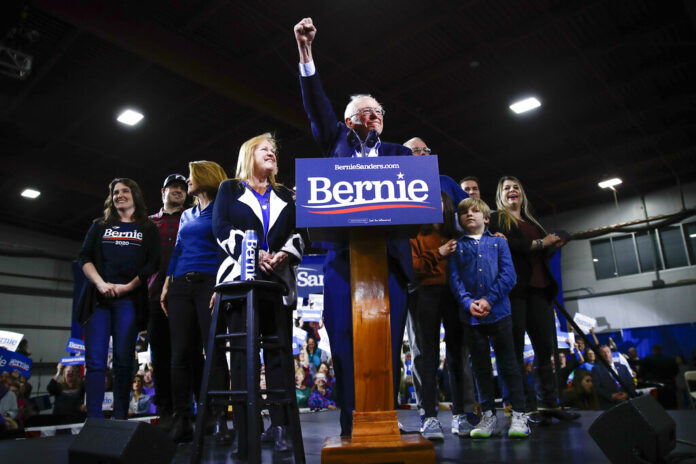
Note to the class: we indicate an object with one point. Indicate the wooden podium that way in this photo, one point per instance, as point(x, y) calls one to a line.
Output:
point(366, 201)
point(376, 437)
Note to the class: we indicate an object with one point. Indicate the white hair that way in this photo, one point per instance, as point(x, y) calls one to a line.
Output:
point(351, 106)
point(409, 143)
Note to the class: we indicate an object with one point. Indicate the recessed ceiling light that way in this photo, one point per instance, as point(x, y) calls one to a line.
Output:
point(522, 106)
point(609, 183)
point(692, 235)
point(130, 117)
point(30, 193)
point(595, 260)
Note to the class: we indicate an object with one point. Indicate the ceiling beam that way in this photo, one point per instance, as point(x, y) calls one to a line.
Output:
point(43, 69)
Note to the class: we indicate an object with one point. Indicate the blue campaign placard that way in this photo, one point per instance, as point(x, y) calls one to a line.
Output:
point(11, 361)
point(73, 361)
point(75, 345)
point(379, 191)
point(310, 275)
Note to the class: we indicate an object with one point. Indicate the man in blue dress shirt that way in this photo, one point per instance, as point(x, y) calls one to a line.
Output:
point(356, 135)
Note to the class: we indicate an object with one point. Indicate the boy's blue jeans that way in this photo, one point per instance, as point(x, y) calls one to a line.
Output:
point(499, 334)
point(114, 318)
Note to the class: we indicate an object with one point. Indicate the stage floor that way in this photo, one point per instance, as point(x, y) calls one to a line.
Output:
point(567, 442)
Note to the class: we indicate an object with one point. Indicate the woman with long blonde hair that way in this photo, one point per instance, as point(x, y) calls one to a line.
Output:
point(255, 201)
point(532, 297)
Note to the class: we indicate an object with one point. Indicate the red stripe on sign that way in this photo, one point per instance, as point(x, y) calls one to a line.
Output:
point(123, 238)
point(369, 208)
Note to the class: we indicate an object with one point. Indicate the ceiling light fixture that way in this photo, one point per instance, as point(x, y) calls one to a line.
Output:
point(130, 117)
point(610, 183)
point(30, 193)
point(528, 104)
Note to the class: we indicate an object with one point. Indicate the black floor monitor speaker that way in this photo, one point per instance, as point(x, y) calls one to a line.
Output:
point(118, 442)
point(636, 427)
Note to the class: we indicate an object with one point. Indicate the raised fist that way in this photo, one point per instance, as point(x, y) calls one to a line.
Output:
point(305, 32)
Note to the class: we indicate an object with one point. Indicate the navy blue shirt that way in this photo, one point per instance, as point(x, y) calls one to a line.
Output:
point(196, 248)
point(265, 203)
point(121, 245)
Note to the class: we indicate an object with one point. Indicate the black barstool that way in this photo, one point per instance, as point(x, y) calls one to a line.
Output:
point(249, 402)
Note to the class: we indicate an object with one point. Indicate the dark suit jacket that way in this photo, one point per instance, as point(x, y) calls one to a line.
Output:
point(520, 250)
point(331, 135)
point(236, 210)
point(605, 385)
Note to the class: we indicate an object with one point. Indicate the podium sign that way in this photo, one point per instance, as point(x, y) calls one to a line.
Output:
point(350, 196)
point(379, 191)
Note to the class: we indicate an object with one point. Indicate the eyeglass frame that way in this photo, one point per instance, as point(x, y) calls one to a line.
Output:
point(378, 111)
point(427, 150)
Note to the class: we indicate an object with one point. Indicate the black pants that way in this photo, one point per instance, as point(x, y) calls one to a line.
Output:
point(160, 346)
point(480, 338)
point(269, 323)
point(188, 305)
point(429, 305)
point(534, 314)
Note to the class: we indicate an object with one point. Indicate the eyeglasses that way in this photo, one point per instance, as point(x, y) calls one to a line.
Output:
point(421, 151)
point(368, 111)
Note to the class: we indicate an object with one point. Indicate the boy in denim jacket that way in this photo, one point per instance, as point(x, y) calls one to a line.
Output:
point(481, 275)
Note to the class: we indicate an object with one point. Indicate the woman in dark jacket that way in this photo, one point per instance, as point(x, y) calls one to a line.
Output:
point(119, 254)
point(69, 391)
point(254, 201)
point(531, 298)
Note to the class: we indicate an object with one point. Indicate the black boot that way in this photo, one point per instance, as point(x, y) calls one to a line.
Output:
point(281, 442)
point(560, 414)
point(166, 419)
point(268, 435)
point(182, 432)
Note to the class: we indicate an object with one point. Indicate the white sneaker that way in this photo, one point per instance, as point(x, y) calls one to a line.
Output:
point(486, 427)
point(461, 425)
point(519, 428)
point(431, 429)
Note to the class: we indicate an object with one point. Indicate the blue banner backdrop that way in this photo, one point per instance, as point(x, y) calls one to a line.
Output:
point(675, 339)
point(80, 281)
point(346, 192)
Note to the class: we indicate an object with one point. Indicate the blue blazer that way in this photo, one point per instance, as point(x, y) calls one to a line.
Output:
point(331, 135)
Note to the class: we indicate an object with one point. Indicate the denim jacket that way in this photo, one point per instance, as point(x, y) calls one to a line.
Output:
point(482, 269)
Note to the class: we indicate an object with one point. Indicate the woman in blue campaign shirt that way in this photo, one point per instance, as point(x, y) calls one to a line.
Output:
point(119, 254)
point(186, 298)
point(255, 201)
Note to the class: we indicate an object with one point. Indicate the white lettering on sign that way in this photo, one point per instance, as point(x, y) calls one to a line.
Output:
point(305, 279)
point(250, 258)
point(16, 363)
point(111, 233)
point(356, 193)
